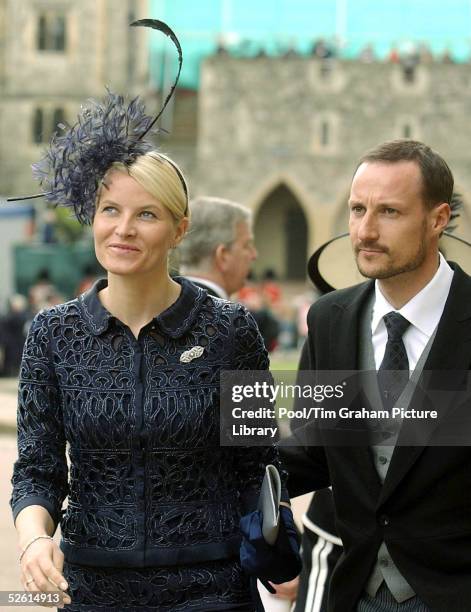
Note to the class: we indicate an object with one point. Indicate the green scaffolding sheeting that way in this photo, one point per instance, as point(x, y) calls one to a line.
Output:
point(247, 27)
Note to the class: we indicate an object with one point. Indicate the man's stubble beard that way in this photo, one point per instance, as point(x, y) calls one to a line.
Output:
point(391, 271)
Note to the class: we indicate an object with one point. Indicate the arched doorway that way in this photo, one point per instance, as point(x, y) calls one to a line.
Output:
point(281, 236)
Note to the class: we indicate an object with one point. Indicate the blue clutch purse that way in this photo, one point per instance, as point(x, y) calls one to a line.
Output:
point(270, 547)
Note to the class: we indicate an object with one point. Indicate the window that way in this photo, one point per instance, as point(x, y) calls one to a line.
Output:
point(38, 125)
point(409, 79)
point(42, 33)
point(58, 118)
point(324, 134)
point(326, 68)
point(45, 123)
point(407, 126)
point(408, 73)
point(51, 32)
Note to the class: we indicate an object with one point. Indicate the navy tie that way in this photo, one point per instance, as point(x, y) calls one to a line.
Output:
point(393, 373)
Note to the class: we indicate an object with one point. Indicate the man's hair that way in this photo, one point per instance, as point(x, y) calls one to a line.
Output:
point(437, 178)
point(213, 222)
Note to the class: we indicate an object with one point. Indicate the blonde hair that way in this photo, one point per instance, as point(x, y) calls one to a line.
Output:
point(161, 177)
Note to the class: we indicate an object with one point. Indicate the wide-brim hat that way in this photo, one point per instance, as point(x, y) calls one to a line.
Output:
point(333, 266)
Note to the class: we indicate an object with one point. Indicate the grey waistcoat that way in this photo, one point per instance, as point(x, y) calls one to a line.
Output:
point(385, 568)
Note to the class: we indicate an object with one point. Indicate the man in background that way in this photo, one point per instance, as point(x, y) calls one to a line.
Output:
point(218, 250)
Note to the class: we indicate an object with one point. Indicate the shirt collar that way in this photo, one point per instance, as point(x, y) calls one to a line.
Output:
point(425, 308)
point(210, 284)
point(174, 321)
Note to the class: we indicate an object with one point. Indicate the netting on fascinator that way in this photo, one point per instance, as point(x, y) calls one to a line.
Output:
point(105, 132)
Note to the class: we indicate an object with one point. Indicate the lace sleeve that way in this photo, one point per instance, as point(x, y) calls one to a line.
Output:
point(250, 354)
point(40, 473)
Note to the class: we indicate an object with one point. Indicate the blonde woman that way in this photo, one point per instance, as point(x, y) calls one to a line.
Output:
point(126, 377)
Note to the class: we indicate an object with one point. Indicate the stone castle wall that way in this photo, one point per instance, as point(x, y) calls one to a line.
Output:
point(266, 121)
point(100, 50)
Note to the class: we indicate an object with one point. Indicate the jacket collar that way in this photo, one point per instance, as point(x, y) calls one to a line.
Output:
point(174, 321)
point(347, 309)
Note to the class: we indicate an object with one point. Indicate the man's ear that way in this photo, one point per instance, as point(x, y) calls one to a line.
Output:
point(221, 257)
point(441, 217)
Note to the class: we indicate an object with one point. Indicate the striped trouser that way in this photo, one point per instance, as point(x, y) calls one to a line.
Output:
point(384, 601)
point(320, 552)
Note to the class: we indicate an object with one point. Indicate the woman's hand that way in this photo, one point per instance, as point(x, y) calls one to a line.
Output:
point(41, 570)
point(287, 590)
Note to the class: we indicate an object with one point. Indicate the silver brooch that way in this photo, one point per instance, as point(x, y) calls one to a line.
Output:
point(193, 353)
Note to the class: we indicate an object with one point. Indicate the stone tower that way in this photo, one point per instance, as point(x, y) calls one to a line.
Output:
point(283, 134)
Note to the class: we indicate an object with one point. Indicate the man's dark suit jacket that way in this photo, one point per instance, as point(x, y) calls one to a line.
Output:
point(423, 509)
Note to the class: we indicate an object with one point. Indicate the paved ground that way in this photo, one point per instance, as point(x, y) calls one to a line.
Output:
point(8, 389)
point(9, 574)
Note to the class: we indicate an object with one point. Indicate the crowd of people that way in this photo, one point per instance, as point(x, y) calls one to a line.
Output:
point(21, 309)
point(323, 49)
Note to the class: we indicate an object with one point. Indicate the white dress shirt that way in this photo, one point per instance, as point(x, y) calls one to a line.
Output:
point(220, 292)
point(423, 311)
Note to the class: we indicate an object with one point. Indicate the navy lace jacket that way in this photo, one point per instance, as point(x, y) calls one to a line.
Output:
point(148, 482)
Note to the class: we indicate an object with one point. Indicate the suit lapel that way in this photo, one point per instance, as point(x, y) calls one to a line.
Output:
point(344, 328)
point(451, 350)
point(344, 334)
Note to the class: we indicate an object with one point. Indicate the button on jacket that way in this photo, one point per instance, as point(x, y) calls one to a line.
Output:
point(149, 483)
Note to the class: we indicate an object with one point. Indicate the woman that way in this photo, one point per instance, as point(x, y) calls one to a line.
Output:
point(127, 375)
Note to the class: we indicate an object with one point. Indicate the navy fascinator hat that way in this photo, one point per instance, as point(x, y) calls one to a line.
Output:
point(107, 131)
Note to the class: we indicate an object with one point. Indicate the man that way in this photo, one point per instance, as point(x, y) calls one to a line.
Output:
point(403, 512)
point(218, 250)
